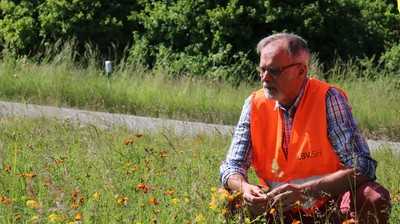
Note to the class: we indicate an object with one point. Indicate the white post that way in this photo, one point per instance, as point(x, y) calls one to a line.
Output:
point(108, 67)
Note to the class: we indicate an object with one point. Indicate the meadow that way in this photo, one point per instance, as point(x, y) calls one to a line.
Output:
point(59, 172)
point(131, 89)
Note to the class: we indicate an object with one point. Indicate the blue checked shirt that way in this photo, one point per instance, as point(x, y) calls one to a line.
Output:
point(344, 136)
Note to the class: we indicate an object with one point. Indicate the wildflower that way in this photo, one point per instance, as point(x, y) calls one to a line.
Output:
point(128, 141)
point(295, 221)
point(5, 201)
point(32, 204)
point(175, 201)
point(59, 161)
point(17, 216)
point(78, 216)
point(169, 192)
point(163, 154)
point(142, 187)
point(96, 196)
point(186, 200)
point(349, 221)
point(153, 201)
point(27, 175)
point(122, 201)
point(7, 168)
point(213, 189)
point(53, 217)
point(213, 205)
point(272, 211)
point(223, 194)
point(199, 218)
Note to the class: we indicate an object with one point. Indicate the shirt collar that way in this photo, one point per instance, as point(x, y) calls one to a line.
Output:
point(292, 108)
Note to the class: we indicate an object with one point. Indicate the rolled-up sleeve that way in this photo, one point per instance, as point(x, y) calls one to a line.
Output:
point(345, 136)
point(238, 157)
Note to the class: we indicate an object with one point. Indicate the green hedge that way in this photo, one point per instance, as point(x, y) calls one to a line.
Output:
point(204, 38)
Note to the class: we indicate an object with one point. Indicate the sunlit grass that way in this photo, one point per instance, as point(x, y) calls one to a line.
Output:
point(59, 171)
point(134, 90)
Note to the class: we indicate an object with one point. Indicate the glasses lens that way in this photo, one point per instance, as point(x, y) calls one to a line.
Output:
point(273, 71)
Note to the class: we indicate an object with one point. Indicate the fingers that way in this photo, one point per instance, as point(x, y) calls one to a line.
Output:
point(283, 198)
point(255, 195)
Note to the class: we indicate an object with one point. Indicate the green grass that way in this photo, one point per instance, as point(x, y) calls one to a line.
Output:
point(72, 163)
point(133, 90)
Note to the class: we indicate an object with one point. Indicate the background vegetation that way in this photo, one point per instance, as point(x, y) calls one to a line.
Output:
point(132, 90)
point(214, 39)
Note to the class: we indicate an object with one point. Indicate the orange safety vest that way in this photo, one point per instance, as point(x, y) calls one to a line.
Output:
point(310, 154)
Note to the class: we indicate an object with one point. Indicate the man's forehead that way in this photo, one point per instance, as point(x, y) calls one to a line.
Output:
point(275, 49)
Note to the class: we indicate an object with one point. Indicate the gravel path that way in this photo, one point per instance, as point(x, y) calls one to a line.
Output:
point(133, 123)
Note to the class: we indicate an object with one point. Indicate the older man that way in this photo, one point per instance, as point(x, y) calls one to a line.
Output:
point(300, 136)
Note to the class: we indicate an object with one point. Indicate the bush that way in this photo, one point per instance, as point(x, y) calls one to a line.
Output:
point(391, 60)
point(215, 39)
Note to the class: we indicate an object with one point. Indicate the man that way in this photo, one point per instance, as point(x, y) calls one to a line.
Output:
point(300, 137)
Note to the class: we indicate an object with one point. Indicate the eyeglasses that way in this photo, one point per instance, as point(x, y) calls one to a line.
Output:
point(275, 72)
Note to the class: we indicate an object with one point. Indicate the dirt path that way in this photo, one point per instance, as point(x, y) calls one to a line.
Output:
point(133, 123)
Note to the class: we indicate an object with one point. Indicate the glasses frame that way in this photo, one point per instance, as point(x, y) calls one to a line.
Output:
point(275, 72)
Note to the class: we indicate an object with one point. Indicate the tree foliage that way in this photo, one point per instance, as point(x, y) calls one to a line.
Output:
point(205, 38)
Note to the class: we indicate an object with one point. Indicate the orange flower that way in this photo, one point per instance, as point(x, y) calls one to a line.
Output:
point(272, 211)
point(153, 201)
point(295, 221)
point(169, 192)
point(4, 200)
point(143, 187)
point(27, 175)
point(7, 168)
point(78, 216)
point(350, 221)
point(128, 141)
point(163, 154)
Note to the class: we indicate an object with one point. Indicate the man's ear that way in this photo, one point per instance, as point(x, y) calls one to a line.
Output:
point(303, 70)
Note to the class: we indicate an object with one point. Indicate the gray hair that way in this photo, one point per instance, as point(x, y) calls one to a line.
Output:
point(297, 46)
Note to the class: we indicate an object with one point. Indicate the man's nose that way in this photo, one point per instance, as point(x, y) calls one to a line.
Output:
point(265, 76)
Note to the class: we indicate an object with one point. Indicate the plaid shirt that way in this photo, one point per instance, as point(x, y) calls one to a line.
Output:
point(344, 136)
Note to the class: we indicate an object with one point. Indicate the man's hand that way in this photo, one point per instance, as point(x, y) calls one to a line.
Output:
point(286, 196)
point(253, 195)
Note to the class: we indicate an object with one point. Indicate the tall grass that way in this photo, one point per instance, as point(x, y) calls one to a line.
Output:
point(56, 172)
point(134, 90)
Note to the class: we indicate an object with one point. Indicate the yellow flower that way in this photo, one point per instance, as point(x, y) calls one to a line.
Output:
point(123, 201)
point(32, 204)
point(175, 201)
point(53, 217)
point(199, 218)
point(213, 204)
point(186, 200)
point(96, 196)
